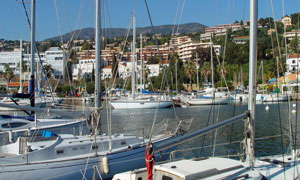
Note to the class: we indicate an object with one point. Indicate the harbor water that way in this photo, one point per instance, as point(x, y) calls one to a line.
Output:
point(272, 127)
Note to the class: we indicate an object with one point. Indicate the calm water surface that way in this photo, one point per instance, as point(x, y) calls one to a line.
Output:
point(269, 127)
point(227, 140)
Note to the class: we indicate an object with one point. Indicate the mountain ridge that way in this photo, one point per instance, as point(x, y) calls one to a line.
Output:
point(89, 33)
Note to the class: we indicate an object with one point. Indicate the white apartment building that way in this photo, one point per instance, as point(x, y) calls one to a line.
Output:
point(57, 58)
point(54, 57)
point(185, 51)
point(125, 69)
point(219, 30)
point(293, 63)
point(292, 34)
point(12, 59)
point(179, 40)
point(85, 68)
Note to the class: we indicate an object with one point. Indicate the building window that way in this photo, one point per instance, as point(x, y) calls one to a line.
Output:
point(58, 58)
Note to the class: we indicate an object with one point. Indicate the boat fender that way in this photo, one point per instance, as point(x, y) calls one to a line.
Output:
point(10, 136)
point(105, 165)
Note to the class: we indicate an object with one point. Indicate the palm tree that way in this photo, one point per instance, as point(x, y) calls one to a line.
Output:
point(8, 75)
point(206, 70)
point(24, 67)
point(190, 70)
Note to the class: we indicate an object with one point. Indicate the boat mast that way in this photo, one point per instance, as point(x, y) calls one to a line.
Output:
point(197, 68)
point(212, 66)
point(21, 65)
point(278, 84)
point(142, 61)
point(32, 86)
point(133, 60)
point(98, 55)
point(252, 83)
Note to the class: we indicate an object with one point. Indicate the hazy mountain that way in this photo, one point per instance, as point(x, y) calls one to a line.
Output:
point(89, 33)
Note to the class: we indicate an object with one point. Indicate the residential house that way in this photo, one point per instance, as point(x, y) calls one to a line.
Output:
point(293, 63)
point(287, 21)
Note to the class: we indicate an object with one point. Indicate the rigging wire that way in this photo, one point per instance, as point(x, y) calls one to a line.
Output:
point(175, 19)
point(62, 41)
point(38, 52)
point(180, 17)
point(277, 37)
point(280, 56)
point(296, 118)
point(164, 78)
point(125, 40)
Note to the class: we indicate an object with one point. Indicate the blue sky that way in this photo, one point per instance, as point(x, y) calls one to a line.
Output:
point(78, 14)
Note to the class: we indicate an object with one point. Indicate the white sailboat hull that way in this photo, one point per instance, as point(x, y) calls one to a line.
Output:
point(195, 102)
point(140, 104)
point(81, 167)
point(274, 97)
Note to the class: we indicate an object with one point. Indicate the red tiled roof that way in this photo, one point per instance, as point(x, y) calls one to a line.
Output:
point(294, 56)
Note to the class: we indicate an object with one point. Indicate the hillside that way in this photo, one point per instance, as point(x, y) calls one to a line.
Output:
point(89, 33)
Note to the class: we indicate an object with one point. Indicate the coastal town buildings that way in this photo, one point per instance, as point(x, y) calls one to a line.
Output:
point(293, 63)
point(54, 56)
point(292, 34)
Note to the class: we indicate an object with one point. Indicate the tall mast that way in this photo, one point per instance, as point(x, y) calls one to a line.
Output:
point(142, 61)
point(21, 65)
point(32, 86)
point(252, 82)
point(98, 55)
point(133, 60)
point(212, 66)
point(197, 68)
point(278, 84)
point(176, 74)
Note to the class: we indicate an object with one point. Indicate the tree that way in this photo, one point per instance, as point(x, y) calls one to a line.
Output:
point(114, 66)
point(262, 22)
point(294, 45)
point(68, 70)
point(24, 66)
point(93, 74)
point(295, 18)
point(8, 75)
point(190, 70)
point(203, 55)
point(48, 70)
point(87, 46)
point(153, 60)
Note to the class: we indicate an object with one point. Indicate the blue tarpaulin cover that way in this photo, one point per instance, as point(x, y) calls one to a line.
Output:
point(48, 134)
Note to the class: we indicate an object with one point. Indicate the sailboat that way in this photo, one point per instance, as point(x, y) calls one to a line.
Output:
point(16, 126)
point(140, 101)
point(210, 96)
point(274, 167)
point(84, 157)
